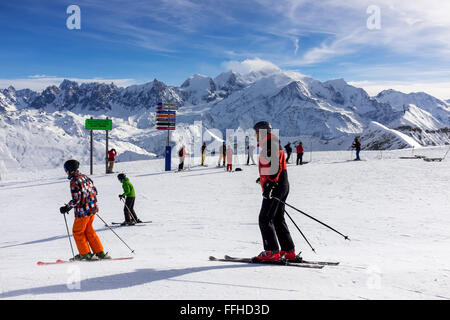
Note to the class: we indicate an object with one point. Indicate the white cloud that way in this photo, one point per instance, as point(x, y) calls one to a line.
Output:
point(249, 65)
point(440, 90)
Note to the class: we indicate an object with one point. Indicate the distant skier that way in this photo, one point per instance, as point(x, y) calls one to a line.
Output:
point(288, 151)
point(251, 149)
point(300, 153)
point(357, 145)
point(222, 154)
point(130, 196)
point(181, 156)
point(274, 182)
point(229, 159)
point(111, 159)
point(84, 200)
point(204, 149)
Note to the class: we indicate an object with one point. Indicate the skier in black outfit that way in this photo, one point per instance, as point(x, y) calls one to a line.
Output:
point(222, 154)
point(288, 151)
point(357, 145)
point(274, 182)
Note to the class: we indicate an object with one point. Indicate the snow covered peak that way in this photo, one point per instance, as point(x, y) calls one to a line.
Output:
point(229, 79)
point(67, 84)
point(349, 91)
point(199, 89)
point(198, 82)
point(398, 100)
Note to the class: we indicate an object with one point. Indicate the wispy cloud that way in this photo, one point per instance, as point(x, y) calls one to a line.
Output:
point(296, 46)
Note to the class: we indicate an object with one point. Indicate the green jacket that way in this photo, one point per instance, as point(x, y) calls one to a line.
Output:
point(128, 189)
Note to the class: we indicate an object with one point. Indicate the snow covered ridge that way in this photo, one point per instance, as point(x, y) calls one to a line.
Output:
point(43, 128)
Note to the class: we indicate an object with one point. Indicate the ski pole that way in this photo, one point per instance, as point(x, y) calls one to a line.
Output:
point(68, 235)
point(300, 232)
point(446, 153)
point(345, 237)
point(132, 215)
point(132, 251)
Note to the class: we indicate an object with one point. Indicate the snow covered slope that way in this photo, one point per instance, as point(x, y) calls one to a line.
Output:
point(394, 211)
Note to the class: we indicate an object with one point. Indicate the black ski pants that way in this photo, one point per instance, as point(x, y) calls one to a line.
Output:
point(272, 224)
point(288, 156)
point(128, 210)
point(300, 158)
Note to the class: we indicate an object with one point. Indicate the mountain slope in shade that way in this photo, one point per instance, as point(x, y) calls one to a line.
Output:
point(379, 137)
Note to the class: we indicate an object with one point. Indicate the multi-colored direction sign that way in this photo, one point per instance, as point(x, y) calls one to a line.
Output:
point(166, 116)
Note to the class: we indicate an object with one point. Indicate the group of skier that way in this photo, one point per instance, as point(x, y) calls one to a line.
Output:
point(299, 150)
point(225, 156)
point(273, 179)
point(84, 202)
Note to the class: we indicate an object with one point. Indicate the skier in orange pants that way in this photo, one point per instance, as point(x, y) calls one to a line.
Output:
point(84, 200)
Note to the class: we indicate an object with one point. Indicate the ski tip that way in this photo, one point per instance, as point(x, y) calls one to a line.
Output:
point(40, 263)
point(212, 258)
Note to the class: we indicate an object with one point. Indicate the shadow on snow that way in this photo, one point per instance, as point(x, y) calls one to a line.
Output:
point(132, 279)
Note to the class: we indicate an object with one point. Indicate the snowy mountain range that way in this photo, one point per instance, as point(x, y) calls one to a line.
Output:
point(49, 125)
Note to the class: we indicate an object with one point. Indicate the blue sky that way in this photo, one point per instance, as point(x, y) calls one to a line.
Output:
point(136, 41)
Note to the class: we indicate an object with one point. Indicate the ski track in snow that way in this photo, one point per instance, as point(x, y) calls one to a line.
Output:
point(395, 212)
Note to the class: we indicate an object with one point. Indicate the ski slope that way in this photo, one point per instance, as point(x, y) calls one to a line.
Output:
point(395, 211)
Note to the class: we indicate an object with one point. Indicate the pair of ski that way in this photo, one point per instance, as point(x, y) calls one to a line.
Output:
point(59, 261)
point(298, 262)
point(119, 224)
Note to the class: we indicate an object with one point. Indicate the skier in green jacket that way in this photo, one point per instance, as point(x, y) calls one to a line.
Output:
point(130, 196)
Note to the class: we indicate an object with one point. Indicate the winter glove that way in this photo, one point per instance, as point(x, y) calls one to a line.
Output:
point(64, 209)
point(121, 196)
point(268, 188)
point(258, 180)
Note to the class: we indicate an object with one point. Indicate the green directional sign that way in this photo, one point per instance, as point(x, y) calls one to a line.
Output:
point(98, 124)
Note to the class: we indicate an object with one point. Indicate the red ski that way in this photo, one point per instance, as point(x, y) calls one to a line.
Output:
point(59, 261)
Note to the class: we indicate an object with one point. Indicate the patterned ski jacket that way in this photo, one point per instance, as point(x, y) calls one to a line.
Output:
point(84, 195)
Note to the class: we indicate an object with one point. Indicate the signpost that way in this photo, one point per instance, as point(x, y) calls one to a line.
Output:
point(166, 116)
point(98, 124)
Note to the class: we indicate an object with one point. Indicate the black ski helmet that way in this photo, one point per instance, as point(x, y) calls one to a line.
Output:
point(71, 165)
point(121, 176)
point(263, 125)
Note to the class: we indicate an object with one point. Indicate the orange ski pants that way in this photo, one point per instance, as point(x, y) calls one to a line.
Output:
point(85, 235)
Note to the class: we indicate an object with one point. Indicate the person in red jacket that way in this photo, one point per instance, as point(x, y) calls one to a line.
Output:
point(275, 184)
point(300, 153)
point(111, 158)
